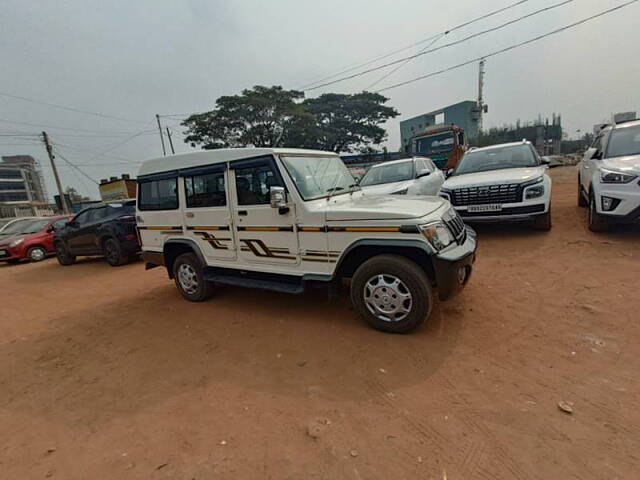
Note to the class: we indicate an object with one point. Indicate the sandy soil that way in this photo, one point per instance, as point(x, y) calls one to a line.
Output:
point(106, 373)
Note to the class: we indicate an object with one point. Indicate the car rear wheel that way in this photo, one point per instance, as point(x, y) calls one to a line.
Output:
point(113, 253)
point(189, 277)
point(597, 222)
point(36, 254)
point(392, 293)
point(63, 255)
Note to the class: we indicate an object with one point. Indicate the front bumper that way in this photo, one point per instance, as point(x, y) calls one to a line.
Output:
point(453, 267)
point(16, 253)
point(507, 214)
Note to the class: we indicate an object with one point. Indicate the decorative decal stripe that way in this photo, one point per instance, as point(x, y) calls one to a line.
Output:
point(265, 229)
point(313, 229)
point(318, 259)
point(163, 227)
point(364, 229)
point(260, 249)
point(216, 243)
point(208, 228)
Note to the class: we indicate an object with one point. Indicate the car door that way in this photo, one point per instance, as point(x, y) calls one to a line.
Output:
point(206, 214)
point(87, 239)
point(430, 178)
point(75, 231)
point(262, 234)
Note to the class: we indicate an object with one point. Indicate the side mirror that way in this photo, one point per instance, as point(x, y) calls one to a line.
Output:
point(50, 229)
point(592, 153)
point(278, 197)
point(72, 223)
point(545, 161)
point(448, 173)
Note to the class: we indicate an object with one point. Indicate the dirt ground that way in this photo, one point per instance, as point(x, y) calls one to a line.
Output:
point(106, 373)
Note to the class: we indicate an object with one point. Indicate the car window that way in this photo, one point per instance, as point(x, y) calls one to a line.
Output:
point(82, 218)
point(395, 172)
point(424, 164)
point(36, 226)
point(59, 223)
point(316, 177)
point(512, 156)
point(120, 209)
point(158, 194)
point(205, 190)
point(253, 184)
point(17, 226)
point(624, 141)
point(597, 143)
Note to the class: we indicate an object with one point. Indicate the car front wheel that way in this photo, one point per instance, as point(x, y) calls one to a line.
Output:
point(36, 254)
point(63, 255)
point(392, 293)
point(189, 277)
point(597, 222)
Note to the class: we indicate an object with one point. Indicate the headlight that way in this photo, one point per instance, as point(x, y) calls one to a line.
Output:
point(445, 194)
point(438, 235)
point(612, 176)
point(16, 242)
point(534, 192)
point(401, 192)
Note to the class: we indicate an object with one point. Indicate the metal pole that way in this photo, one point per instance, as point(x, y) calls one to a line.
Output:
point(164, 150)
point(63, 200)
point(170, 141)
point(481, 94)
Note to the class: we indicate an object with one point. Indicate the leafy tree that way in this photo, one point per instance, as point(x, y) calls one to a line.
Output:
point(349, 122)
point(262, 116)
point(74, 196)
point(274, 117)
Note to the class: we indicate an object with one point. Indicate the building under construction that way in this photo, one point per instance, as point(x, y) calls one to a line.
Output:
point(544, 135)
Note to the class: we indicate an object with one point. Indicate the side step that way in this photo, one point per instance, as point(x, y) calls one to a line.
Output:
point(287, 284)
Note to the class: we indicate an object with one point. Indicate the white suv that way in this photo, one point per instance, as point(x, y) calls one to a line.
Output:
point(506, 182)
point(409, 176)
point(608, 178)
point(287, 220)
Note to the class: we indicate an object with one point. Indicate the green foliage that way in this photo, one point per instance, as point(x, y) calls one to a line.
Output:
point(274, 117)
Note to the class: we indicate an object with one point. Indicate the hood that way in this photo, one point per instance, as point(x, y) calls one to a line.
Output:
point(629, 164)
point(361, 206)
point(387, 188)
point(495, 177)
point(7, 239)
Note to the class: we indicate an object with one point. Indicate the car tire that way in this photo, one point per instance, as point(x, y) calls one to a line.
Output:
point(36, 254)
point(189, 277)
point(63, 255)
point(392, 293)
point(543, 222)
point(112, 252)
point(597, 223)
point(582, 201)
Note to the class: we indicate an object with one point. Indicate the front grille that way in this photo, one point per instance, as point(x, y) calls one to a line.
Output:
point(456, 225)
point(484, 195)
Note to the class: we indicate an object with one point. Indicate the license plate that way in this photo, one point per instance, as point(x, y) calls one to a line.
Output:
point(484, 208)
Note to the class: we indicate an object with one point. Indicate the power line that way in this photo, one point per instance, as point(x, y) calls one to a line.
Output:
point(451, 44)
point(89, 150)
point(512, 47)
point(387, 55)
point(70, 109)
point(39, 125)
point(74, 166)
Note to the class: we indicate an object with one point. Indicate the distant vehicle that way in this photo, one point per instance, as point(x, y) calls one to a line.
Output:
point(411, 176)
point(506, 182)
point(443, 144)
point(608, 177)
point(105, 229)
point(13, 226)
point(34, 241)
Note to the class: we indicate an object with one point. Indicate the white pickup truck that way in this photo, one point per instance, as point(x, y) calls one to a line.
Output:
point(287, 220)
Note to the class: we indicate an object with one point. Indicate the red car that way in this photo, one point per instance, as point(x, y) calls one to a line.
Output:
point(33, 241)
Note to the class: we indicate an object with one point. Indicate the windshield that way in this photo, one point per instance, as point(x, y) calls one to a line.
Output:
point(317, 177)
point(36, 226)
point(17, 227)
point(438, 143)
point(624, 141)
point(395, 172)
point(515, 156)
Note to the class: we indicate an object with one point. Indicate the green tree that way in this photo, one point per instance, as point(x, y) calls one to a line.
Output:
point(74, 196)
point(349, 122)
point(262, 116)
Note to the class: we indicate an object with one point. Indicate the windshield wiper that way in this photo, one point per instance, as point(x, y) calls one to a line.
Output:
point(335, 189)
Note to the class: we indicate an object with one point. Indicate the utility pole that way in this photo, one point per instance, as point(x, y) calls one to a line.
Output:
point(63, 200)
point(482, 108)
point(170, 141)
point(164, 150)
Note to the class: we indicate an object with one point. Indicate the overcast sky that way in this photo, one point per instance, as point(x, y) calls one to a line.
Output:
point(133, 59)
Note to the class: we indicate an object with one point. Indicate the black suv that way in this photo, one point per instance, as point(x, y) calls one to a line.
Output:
point(105, 229)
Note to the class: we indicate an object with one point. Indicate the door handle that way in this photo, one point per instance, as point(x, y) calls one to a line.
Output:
point(243, 213)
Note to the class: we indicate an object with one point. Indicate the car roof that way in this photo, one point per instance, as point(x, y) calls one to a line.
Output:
point(222, 155)
point(393, 162)
point(627, 124)
point(500, 145)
